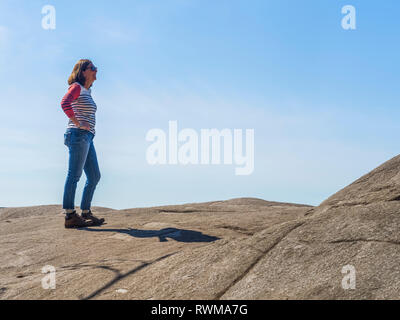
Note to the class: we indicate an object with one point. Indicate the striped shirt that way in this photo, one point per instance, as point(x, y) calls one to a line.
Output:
point(78, 102)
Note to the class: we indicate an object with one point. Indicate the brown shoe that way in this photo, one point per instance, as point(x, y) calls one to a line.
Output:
point(75, 221)
point(95, 221)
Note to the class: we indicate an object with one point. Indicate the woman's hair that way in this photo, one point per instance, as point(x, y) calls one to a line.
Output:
point(76, 75)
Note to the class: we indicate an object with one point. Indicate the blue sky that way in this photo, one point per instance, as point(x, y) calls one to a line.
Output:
point(323, 101)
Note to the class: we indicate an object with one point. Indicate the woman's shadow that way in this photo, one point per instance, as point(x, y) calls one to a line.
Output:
point(181, 235)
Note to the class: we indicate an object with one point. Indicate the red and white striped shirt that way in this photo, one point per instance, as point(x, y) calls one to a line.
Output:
point(78, 102)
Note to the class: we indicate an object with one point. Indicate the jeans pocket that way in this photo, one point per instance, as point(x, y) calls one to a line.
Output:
point(78, 137)
point(67, 137)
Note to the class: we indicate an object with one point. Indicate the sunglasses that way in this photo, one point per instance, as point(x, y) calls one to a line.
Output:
point(93, 68)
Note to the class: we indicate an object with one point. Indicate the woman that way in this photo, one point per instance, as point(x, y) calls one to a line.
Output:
point(80, 108)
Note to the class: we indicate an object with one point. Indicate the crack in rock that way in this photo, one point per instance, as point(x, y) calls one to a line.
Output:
point(120, 276)
point(363, 240)
point(350, 241)
point(263, 254)
point(236, 229)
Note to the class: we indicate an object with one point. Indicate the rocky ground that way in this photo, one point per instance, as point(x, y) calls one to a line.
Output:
point(243, 248)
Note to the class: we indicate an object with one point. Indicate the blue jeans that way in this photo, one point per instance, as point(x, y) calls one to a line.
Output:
point(82, 156)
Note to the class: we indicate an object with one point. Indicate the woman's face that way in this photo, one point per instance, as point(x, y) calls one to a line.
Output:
point(90, 73)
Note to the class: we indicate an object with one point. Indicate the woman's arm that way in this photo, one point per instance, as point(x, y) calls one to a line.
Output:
point(73, 93)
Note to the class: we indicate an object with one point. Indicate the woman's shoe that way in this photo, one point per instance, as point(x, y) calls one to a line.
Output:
point(95, 221)
point(75, 221)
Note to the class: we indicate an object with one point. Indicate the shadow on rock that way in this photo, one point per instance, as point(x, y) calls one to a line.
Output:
point(181, 235)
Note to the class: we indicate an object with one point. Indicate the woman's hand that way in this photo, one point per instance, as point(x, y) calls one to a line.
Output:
point(83, 125)
point(80, 125)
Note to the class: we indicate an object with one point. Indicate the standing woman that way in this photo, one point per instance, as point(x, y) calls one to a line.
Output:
point(80, 108)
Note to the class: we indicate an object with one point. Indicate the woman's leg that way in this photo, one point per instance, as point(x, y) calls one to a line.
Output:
point(78, 145)
point(93, 176)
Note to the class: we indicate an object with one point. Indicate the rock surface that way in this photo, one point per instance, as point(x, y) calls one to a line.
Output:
point(242, 248)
